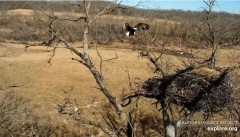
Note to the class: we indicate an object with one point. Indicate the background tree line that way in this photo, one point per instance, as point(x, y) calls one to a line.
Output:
point(175, 25)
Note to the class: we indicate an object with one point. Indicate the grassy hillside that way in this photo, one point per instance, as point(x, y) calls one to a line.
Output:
point(108, 29)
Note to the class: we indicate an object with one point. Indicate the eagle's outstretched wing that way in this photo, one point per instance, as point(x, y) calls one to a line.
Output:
point(142, 26)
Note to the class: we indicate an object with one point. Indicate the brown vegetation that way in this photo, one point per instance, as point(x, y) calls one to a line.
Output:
point(18, 26)
point(63, 89)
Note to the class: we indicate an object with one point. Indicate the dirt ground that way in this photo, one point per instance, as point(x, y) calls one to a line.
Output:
point(30, 74)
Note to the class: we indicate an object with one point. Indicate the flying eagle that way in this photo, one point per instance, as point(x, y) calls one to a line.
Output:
point(131, 31)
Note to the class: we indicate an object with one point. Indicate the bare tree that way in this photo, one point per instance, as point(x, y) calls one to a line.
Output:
point(169, 89)
point(208, 31)
point(84, 58)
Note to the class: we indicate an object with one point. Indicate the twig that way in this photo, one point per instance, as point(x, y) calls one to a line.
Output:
point(101, 59)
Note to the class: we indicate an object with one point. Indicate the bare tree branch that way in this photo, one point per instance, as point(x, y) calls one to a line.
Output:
point(101, 59)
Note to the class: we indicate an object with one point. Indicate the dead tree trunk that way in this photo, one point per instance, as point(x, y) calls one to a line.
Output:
point(170, 129)
point(117, 106)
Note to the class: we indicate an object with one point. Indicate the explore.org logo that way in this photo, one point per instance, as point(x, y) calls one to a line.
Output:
point(219, 128)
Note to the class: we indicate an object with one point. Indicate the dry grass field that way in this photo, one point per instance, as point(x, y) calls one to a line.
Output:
point(30, 76)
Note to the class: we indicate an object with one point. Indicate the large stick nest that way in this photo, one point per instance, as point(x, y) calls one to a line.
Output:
point(195, 89)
